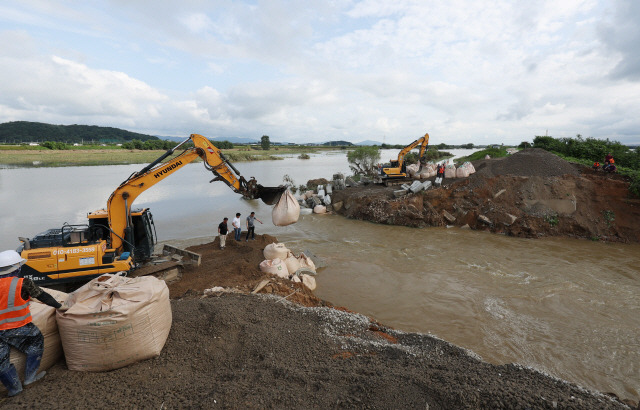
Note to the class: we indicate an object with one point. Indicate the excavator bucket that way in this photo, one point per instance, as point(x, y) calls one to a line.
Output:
point(270, 195)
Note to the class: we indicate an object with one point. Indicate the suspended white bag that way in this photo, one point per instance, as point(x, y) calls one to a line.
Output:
point(276, 250)
point(114, 321)
point(450, 171)
point(286, 211)
point(275, 267)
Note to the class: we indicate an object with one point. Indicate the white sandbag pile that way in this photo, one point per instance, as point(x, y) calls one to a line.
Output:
point(413, 169)
point(317, 203)
point(450, 171)
point(286, 211)
point(274, 267)
point(114, 321)
point(282, 262)
point(44, 317)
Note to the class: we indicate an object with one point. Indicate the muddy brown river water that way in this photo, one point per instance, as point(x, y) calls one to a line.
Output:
point(567, 307)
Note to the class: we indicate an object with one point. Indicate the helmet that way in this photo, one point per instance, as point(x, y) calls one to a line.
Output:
point(10, 261)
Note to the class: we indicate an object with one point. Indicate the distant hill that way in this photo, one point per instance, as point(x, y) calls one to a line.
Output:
point(233, 140)
point(369, 142)
point(25, 131)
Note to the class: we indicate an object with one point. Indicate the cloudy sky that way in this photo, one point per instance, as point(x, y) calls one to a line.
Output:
point(311, 71)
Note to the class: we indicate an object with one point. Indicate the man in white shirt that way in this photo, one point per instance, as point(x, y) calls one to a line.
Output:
point(237, 227)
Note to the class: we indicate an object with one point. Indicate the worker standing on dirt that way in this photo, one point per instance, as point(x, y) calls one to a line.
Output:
point(251, 228)
point(223, 228)
point(16, 328)
point(439, 174)
point(237, 227)
point(596, 165)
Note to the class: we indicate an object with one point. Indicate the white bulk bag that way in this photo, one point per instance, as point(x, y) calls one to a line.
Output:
point(276, 250)
point(462, 172)
point(450, 171)
point(321, 193)
point(306, 263)
point(293, 264)
point(114, 321)
point(469, 167)
point(327, 200)
point(44, 317)
point(412, 169)
point(286, 211)
point(308, 281)
point(487, 156)
point(319, 209)
point(275, 267)
point(329, 189)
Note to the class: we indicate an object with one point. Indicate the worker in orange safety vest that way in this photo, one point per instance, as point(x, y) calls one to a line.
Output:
point(16, 328)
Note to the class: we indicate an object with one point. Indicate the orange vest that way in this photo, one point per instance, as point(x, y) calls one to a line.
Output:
point(14, 311)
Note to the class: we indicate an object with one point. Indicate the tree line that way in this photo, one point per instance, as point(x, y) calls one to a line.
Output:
point(25, 131)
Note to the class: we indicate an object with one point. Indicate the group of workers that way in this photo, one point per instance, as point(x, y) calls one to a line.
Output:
point(223, 228)
point(16, 327)
point(609, 164)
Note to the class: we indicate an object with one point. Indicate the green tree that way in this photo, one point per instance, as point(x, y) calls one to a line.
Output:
point(363, 160)
point(265, 143)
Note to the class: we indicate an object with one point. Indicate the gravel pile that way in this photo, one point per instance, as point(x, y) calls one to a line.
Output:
point(527, 163)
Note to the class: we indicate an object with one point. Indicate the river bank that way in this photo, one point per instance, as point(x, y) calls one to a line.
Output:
point(530, 194)
point(238, 350)
point(34, 158)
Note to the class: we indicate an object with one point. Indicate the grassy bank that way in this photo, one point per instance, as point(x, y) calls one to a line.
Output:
point(39, 157)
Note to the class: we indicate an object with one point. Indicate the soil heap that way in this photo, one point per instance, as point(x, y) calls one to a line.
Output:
point(532, 193)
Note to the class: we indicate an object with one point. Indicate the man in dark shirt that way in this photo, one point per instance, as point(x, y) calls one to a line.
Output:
point(16, 327)
point(222, 232)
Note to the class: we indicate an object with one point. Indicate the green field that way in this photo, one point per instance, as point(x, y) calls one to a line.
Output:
point(21, 156)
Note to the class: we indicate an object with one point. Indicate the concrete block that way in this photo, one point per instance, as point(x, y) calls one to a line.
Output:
point(484, 220)
point(448, 217)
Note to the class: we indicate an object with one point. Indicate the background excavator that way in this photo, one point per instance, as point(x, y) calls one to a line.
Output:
point(118, 238)
point(397, 169)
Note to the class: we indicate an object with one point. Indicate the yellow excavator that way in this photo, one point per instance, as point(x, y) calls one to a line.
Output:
point(397, 169)
point(119, 238)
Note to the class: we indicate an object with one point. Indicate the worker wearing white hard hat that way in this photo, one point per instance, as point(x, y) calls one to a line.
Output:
point(16, 327)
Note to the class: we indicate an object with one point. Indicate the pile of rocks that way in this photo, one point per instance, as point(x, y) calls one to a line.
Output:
point(319, 200)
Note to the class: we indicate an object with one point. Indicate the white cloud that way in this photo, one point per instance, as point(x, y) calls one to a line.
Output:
point(462, 70)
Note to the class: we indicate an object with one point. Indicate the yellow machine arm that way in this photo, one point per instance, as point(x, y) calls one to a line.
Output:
point(422, 142)
point(396, 169)
point(120, 201)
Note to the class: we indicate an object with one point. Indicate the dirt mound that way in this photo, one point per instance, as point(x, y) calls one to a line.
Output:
point(530, 194)
point(242, 351)
point(527, 163)
point(237, 267)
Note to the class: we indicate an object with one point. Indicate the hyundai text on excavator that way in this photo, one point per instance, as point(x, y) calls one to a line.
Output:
point(119, 238)
point(396, 170)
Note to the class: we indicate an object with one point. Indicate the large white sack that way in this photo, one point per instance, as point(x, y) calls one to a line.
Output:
point(319, 209)
point(487, 156)
point(412, 169)
point(44, 317)
point(293, 264)
point(327, 200)
point(306, 263)
point(425, 175)
point(321, 193)
point(462, 172)
point(286, 211)
point(308, 281)
point(276, 250)
point(450, 171)
point(329, 188)
point(275, 267)
point(469, 167)
point(114, 321)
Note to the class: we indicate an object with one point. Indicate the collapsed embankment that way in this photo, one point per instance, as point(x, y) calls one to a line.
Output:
point(529, 194)
point(237, 350)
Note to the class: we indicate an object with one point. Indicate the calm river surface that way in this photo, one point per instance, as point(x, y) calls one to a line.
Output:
point(569, 308)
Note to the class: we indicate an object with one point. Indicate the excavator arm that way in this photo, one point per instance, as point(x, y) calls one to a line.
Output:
point(396, 168)
point(120, 201)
